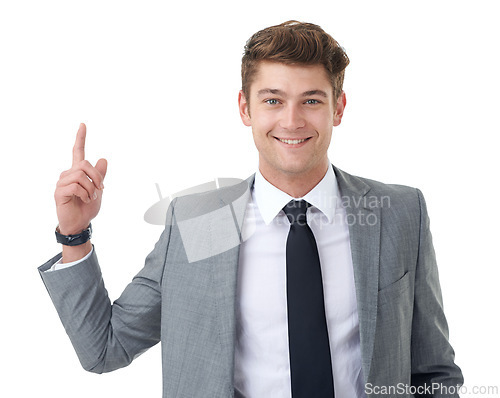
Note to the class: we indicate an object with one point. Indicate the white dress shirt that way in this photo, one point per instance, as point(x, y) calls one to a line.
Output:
point(262, 366)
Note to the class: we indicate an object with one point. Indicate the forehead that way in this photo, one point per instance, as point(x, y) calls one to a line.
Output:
point(292, 79)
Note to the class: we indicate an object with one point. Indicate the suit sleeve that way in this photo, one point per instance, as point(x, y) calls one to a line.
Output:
point(109, 336)
point(432, 355)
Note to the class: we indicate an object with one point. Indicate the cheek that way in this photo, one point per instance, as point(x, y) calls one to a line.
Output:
point(263, 125)
point(323, 124)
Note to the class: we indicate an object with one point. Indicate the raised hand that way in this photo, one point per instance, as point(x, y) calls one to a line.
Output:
point(78, 192)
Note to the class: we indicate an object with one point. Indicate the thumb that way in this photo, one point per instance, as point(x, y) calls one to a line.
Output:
point(102, 166)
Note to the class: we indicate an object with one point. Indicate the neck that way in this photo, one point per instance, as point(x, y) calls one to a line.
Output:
point(295, 185)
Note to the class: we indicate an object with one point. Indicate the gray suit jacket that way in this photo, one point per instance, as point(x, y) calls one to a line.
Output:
point(185, 295)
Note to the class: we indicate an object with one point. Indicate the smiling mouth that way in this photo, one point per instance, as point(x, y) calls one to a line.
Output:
point(292, 142)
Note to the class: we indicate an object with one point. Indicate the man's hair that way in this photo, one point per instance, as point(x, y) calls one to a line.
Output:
point(294, 42)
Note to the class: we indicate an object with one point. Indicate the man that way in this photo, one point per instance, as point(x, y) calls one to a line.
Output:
point(301, 281)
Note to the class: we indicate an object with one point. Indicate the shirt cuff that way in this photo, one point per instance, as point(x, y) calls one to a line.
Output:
point(58, 265)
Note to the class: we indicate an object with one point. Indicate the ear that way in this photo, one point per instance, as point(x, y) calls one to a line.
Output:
point(339, 109)
point(244, 109)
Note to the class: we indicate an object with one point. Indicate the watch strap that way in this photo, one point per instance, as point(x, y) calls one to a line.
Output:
point(74, 240)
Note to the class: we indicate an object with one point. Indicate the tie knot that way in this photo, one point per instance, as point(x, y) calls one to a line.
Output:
point(295, 211)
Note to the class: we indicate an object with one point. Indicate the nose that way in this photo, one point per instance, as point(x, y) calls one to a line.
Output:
point(292, 118)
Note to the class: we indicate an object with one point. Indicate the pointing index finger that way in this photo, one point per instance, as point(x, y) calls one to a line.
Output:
point(79, 148)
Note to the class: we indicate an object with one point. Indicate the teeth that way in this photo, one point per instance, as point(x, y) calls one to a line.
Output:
point(291, 141)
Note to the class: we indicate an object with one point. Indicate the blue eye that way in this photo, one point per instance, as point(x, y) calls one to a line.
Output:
point(272, 101)
point(312, 101)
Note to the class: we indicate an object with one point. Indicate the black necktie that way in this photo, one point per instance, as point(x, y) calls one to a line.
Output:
point(310, 360)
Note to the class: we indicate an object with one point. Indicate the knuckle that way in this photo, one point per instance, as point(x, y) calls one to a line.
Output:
point(62, 180)
point(75, 189)
point(80, 174)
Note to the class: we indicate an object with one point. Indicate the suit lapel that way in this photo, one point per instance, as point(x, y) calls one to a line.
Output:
point(363, 216)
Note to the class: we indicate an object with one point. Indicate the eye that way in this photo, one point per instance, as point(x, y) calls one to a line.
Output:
point(312, 101)
point(272, 101)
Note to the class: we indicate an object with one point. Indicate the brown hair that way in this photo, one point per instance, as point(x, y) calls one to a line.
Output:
point(294, 42)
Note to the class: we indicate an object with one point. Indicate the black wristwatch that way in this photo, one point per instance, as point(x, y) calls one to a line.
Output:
point(74, 240)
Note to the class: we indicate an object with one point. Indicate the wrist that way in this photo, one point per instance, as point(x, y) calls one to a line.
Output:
point(75, 253)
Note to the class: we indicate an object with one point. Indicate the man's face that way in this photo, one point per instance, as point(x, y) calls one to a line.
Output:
point(292, 111)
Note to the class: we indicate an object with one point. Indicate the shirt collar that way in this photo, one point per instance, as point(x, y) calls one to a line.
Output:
point(270, 200)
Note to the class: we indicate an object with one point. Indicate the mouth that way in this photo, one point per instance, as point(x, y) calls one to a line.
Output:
point(292, 142)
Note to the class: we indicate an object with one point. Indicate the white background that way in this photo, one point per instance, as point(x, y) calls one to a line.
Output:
point(157, 83)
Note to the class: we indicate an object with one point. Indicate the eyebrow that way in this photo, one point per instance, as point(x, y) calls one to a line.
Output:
point(273, 91)
point(321, 93)
point(276, 91)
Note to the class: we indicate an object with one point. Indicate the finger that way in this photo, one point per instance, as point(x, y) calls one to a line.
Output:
point(79, 177)
point(92, 172)
point(64, 194)
point(102, 167)
point(79, 147)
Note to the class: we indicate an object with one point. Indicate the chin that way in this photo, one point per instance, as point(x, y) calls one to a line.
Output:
point(288, 166)
point(294, 167)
